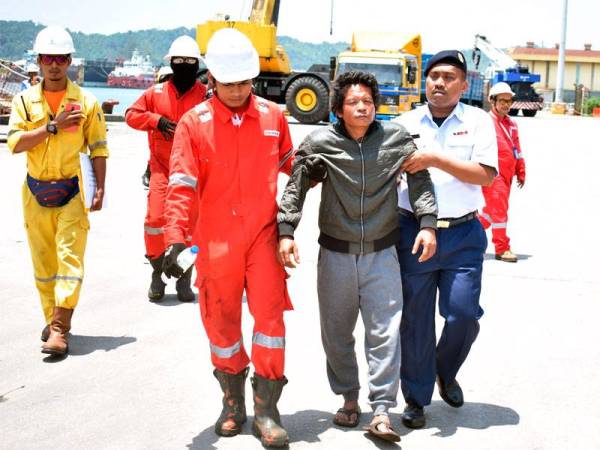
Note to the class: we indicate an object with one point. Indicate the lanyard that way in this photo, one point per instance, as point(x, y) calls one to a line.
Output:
point(512, 142)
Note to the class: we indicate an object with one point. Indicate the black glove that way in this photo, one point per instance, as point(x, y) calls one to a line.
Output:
point(166, 127)
point(170, 266)
point(316, 169)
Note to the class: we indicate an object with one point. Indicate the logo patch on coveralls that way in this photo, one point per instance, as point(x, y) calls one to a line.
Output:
point(272, 133)
point(262, 107)
point(203, 113)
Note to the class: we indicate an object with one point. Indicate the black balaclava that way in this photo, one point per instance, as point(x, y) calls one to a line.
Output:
point(184, 76)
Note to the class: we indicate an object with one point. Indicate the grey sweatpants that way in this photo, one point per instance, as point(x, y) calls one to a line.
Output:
point(369, 283)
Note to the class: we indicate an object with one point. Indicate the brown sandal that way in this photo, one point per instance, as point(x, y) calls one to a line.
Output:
point(387, 434)
point(344, 417)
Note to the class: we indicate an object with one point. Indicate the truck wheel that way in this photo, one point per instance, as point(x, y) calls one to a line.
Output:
point(529, 112)
point(307, 100)
point(513, 112)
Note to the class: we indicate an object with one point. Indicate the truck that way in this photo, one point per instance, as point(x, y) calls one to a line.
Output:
point(394, 59)
point(504, 68)
point(474, 94)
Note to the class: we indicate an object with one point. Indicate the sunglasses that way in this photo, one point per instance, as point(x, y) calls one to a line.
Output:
point(505, 102)
point(58, 59)
point(182, 60)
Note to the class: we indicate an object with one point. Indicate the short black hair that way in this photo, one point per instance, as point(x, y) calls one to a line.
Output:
point(347, 79)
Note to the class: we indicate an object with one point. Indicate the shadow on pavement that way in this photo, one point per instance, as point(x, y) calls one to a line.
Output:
point(84, 345)
point(476, 416)
point(171, 300)
point(520, 256)
point(379, 443)
point(302, 426)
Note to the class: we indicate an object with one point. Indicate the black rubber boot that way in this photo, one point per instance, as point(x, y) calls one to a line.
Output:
point(184, 287)
point(157, 288)
point(267, 422)
point(233, 415)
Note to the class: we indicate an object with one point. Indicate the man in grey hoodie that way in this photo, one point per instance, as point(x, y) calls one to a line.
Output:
point(359, 158)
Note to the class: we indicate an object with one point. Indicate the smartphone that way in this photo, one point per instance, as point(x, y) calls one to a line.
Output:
point(72, 107)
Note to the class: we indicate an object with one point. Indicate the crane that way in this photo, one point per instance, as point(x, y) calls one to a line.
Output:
point(306, 94)
point(504, 68)
point(498, 58)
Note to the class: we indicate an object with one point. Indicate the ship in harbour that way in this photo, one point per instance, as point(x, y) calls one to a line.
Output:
point(96, 72)
point(137, 72)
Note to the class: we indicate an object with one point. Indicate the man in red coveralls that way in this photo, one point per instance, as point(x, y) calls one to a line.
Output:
point(510, 163)
point(226, 157)
point(157, 111)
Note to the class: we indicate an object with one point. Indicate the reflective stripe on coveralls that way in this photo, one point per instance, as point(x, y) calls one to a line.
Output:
point(226, 352)
point(268, 341)
point(230, 170)
point(161, 100)
point(153, 231)
point(58, 277)
point(494, 225)
point(497, 195)
point(180, 179)
point(57, 236)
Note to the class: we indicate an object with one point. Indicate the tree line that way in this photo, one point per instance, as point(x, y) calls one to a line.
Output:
point(16, 37)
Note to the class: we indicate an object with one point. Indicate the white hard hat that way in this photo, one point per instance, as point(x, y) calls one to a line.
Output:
point(231, 57)
point(32, 68)
point(184, 46)
point(501, 88)
point(53, 40)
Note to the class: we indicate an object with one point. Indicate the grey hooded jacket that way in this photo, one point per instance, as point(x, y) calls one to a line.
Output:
point(358, 211)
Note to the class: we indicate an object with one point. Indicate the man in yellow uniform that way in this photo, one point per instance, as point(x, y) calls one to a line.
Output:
point(54, 122)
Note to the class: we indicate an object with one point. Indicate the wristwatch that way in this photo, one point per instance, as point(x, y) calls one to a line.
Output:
point(51, 128)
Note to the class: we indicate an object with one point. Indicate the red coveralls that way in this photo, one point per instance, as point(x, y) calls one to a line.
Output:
point(510, 163)
point(160, 100)
point(230, 169)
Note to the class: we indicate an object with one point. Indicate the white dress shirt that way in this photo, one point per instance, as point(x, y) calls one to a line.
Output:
point(468, 134)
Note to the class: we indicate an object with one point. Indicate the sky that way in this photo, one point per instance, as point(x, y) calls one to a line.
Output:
point(442, 24)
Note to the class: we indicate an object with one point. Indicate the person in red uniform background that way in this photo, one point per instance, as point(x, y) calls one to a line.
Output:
point(510, 163)
point(157, 111)
point(226, 157)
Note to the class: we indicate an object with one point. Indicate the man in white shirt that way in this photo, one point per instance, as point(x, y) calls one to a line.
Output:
point(457, 144)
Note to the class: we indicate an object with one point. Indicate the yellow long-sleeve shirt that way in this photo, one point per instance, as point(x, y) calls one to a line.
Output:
point(57, 157)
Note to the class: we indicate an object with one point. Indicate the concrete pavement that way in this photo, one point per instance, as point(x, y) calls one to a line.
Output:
point(139, 375)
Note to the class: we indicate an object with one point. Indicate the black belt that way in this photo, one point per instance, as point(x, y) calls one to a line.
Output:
point(445, 222)
point(338, 245)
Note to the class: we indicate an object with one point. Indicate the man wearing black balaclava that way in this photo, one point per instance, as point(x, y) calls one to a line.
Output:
point(185, 71)
point(157, 111)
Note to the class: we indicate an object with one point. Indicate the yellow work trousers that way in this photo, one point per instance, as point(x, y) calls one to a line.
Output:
point(57, 239)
